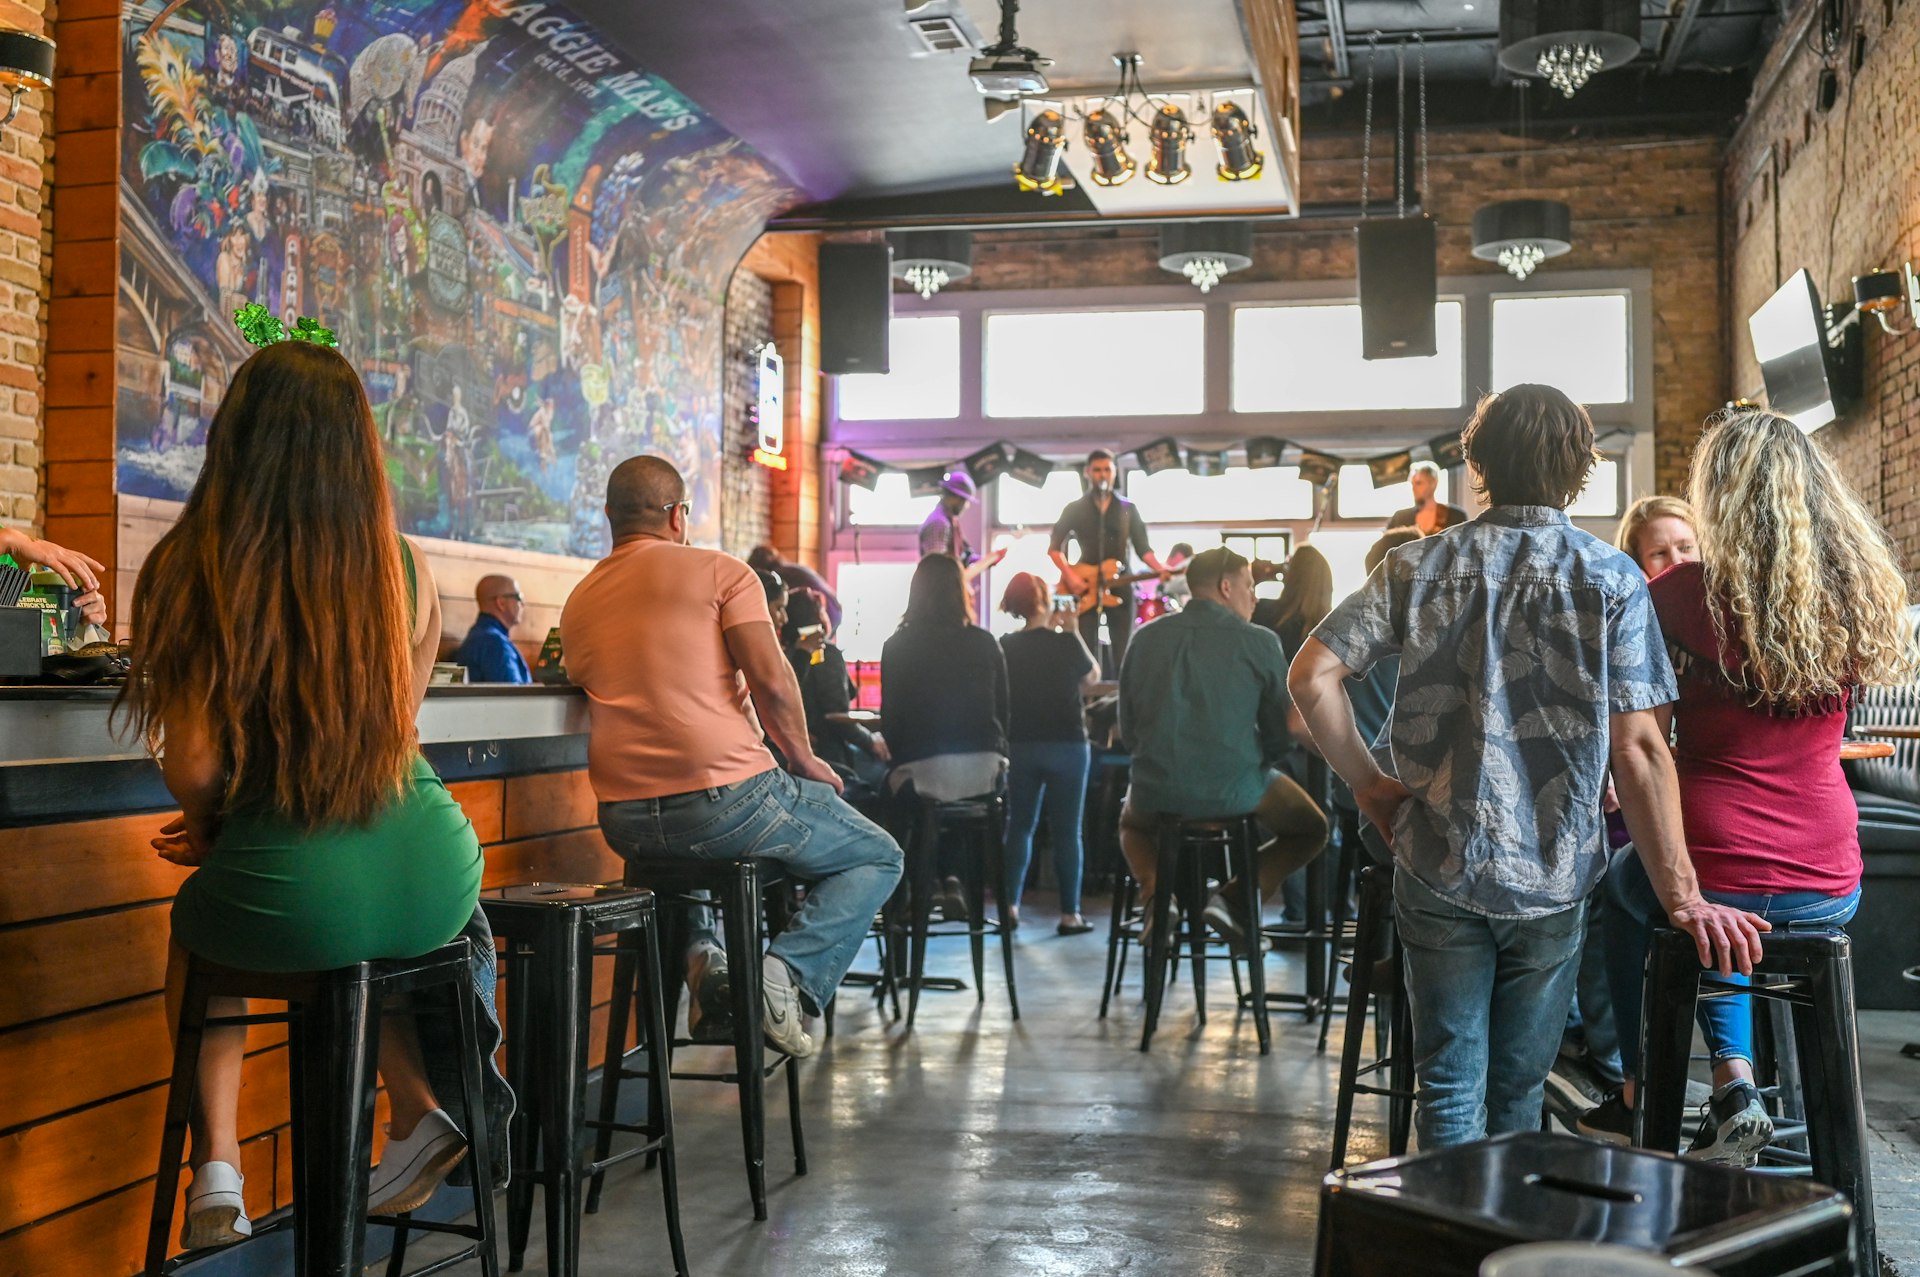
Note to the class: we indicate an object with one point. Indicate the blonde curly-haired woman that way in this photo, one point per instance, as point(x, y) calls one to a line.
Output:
point(1797, 600)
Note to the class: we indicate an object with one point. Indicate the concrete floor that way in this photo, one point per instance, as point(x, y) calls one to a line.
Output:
point(1053, 1148)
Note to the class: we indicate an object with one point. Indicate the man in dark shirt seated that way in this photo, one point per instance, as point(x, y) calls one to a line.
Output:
point(488, 651)
point(1205, 712)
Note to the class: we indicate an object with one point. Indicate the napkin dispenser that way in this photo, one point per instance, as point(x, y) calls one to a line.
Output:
point(20, 642)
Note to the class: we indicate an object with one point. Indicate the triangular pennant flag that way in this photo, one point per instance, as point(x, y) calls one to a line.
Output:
point(1206, 464)
point(1029, 468)
point(924, 481)
point(1318, 467)
point(1446, 450)
point(1390, 469)
point(1161, 454)
point(989, 463)
point(1263, 452)
point(861, 471)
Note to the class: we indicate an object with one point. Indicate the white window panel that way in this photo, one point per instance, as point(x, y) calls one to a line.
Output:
point(873, 596)
point(1239, 495)
point(1021, 505)
point(923, 378)
point(1025, 553)
point(888, 505)
point(1356, 498)
point(1576, 344)
point(1113, 363)
point(1307, 359)
point(1601, 499)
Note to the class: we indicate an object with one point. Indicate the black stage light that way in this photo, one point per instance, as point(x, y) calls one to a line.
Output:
point(1239, 161)
point(1171, 135)
point(1039, 167)
point(1106, 137)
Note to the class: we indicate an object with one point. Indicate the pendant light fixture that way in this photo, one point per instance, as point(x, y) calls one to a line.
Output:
point(930, 260)
point(1567, 42)
point(1521, 234)
point(1039, 166)
point(1206, 252)
point(26, 62)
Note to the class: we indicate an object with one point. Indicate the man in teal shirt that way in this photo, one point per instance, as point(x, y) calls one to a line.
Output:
point(1204, 711)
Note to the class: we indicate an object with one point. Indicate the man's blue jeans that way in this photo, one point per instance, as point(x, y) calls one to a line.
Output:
point(1489, 998)
point(849, 863)
point(1054, 772)
point(1634, 911)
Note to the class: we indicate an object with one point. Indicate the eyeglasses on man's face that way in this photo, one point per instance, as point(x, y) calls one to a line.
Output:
point(686, 506)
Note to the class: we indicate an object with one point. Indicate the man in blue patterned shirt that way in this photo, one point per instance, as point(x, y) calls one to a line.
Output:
point(1530, 659)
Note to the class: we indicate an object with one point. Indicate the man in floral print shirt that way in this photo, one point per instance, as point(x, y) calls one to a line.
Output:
point(1530, 659)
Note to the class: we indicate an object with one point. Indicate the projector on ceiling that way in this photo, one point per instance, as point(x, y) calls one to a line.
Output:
point(1009, 77)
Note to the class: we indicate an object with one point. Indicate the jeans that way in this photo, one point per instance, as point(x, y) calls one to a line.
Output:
point(1056, 772)
point(1285, 810)
point(1634, 911)
point(1489, 998)
point(850, 863)
point(1590, 1022)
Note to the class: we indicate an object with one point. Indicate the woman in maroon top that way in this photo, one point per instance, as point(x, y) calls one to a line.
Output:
point(1797, 600)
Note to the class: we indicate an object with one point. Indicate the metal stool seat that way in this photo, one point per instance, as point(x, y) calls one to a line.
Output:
point(1811, 971)
point(740, 890)
point(1185, 846)
point(333, 1044)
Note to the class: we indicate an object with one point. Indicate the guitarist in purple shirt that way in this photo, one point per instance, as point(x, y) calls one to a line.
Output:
point(1104, 526)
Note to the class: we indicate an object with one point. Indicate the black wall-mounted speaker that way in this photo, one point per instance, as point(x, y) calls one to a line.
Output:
point(1397, 287)
point(856, 303)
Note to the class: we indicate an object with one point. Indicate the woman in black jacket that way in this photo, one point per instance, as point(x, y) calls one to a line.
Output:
point(943, 698)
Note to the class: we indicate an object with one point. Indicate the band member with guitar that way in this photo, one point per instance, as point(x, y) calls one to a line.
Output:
point(1104, 525)
point(941, 533)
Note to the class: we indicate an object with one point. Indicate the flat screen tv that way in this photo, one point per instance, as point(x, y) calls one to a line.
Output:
point(1808, 379)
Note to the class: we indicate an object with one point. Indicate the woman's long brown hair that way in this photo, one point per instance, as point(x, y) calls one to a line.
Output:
point(276, 608)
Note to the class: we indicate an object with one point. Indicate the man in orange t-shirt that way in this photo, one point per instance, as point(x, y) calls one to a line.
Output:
point(685, 679)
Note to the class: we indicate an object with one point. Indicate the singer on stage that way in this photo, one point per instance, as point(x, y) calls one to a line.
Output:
point(1104, 527)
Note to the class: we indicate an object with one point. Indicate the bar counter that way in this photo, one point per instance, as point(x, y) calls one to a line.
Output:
point(84, 1048)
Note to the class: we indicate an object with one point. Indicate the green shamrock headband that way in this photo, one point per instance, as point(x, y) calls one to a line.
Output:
point(262, 328)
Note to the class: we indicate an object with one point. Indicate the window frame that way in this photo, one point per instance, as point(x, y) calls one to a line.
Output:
point(1634, 381)
point(960, 405)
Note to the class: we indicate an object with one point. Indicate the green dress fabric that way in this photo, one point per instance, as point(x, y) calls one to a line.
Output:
point(271, 896)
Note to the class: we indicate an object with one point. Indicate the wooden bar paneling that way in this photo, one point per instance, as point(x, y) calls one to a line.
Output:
point(554, 800)
point(64, 966)
point(84, 865)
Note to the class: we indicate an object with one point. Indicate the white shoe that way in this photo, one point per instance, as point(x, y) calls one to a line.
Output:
point(412, 1168)
point(216, 1212)
point(780, 1019)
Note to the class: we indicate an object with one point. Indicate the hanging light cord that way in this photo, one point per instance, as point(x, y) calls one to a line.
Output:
point(1426, 189)
point(1366, 132)
point(1400, 132)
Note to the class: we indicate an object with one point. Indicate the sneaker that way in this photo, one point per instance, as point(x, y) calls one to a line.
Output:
point(1574, 1087)
point(216, 1212)
point(1734, 1128)
point(952, 901)
point(781, 1022)
point(710, 1012)
point(1223, 915)
point(411, 1169)
point(1610, 1121)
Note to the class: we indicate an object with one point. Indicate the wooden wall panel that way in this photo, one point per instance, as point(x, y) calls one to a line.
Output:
point(553, 800)
point(84, 865)
point(81, 962)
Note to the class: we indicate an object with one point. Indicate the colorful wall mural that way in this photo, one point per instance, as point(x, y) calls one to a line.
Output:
point(521, 237)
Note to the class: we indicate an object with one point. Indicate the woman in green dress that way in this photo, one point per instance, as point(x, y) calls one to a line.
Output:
point(283, 634)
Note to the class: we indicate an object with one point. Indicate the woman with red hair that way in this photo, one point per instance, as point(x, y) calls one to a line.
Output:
point(1048, 665)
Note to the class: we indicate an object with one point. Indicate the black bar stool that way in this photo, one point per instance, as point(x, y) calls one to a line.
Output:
point(981, 824)
point(1393, 1022)
point(739, 890)
point(1346, 867)
point(1123, 933)
point(549, 930)
point(333, 1045)
point(1185, 846)
point(1811, 971)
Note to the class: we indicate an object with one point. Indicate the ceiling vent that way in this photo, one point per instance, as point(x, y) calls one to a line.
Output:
point(942, 35)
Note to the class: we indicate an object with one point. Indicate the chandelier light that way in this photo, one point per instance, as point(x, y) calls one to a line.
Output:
point(1568, 42)
point(1520, 234)
point(930, 260)
point(1206, 252)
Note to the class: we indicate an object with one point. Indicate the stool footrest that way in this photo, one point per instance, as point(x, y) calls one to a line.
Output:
point(626, 1154)
point(442, 1265)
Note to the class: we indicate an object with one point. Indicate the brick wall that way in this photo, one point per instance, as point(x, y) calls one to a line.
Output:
point(1645, 202)
point(744, 521)
point(26, 174)
point(791, 264)
point(1837, 192)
